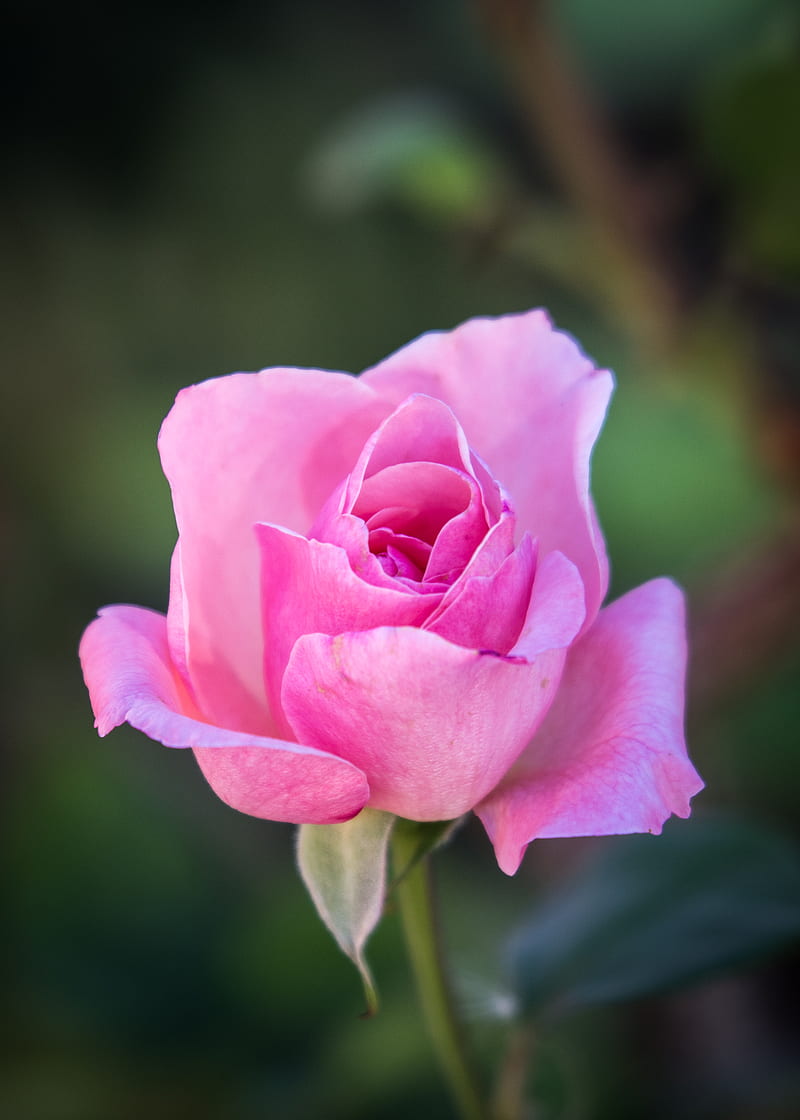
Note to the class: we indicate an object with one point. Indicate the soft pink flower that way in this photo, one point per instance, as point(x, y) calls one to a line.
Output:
point(386, 591)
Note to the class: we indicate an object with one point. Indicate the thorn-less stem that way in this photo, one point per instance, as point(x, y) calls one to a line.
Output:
point(414, 895)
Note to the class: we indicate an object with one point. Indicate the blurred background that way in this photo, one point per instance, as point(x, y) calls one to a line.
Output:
point(195, 189)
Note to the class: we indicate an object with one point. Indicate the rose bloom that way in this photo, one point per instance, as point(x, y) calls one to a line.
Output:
point(386, 591)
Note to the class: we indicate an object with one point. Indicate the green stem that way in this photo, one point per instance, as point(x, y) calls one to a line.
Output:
point(414, 894)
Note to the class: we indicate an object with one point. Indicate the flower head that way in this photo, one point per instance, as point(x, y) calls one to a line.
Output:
point(386, 592)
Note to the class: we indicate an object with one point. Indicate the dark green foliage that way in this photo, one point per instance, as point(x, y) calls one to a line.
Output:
point(650, 914)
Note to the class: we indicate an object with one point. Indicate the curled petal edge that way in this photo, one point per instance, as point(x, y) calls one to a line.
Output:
point(610, 756)
point(436, 732)
point(131, 678)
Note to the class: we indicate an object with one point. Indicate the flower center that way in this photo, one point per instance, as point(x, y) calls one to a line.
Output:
point(410, 510)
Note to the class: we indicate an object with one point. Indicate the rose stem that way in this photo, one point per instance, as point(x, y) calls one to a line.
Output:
point(414, 894)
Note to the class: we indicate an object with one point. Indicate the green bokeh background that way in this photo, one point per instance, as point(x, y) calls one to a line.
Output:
point(206, 188)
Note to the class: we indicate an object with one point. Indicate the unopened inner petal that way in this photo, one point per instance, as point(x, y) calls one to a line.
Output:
point(417, 499)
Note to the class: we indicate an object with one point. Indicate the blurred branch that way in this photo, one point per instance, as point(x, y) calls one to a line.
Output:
point(616, 204)
point(509, 1101)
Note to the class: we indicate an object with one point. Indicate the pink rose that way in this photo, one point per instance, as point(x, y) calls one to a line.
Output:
point(386, 591)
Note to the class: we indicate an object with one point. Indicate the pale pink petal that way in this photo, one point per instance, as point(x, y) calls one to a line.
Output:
point(556, 610)
point(417, 498)
point(437, 508)
point(409, 553)
point(487, 612)
point(177, 614)
point(437, 504)
point(130, 677)
point(491, 552)
point(610, 757)
point(457, 542)
point(351, 535)
point(434, 726)
point(531, 405)
point(269, 446)
point(309, 587)
point(420, 430)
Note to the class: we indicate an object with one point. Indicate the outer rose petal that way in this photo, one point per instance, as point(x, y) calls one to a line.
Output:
point(610, 757)
point(531, 405)
point(434, 726)
point(130, 677)
point(268, 446)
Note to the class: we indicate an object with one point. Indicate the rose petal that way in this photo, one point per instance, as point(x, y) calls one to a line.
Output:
point(352, 535)
point(408, 552)
point(437, 504)
point(177, 614)
point(309, 587)
point(531, 405)
point(556, 611)
point(491, 552)
point(457, 542)
point(434, 726)
point(250, 447)
point(487, 612)
point(610, 757)
point(130, 677)
point(417, 498)
point(420, 430)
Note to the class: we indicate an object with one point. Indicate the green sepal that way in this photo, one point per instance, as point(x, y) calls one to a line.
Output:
point(344, 868)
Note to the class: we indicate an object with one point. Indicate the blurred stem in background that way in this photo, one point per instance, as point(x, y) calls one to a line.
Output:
point(509, 1100)
point(615, 206)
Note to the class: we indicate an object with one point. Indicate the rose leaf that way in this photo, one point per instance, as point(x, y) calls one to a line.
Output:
point(654, 914)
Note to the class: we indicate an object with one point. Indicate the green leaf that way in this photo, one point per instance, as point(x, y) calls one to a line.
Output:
point(344, 868)
point(412, 149)
point(650, 54)
point(654, 913)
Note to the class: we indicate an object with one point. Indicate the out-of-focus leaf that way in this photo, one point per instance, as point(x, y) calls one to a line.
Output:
point(671, 477)
point(410, 149)
point(344, 868)
point(651, 914)
point(652, 53)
